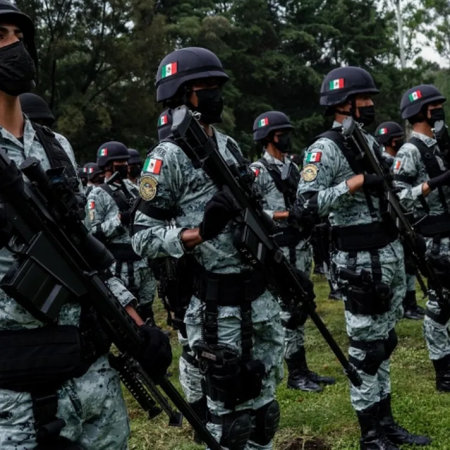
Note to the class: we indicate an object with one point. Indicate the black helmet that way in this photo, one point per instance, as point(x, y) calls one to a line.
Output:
point(111, 151)
point(388, 130)
point(416, 98)
point(268, 122)
point(12, 14)
point(36, 108)
point(164, 124)
point(135, 157)
point(91, 170)
point(186, 64)
point(82, 173)
point(344, 82)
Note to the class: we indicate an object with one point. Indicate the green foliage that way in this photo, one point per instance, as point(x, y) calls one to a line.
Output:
point(98, 60)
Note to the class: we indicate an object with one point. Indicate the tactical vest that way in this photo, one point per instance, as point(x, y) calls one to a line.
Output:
point(430, 226)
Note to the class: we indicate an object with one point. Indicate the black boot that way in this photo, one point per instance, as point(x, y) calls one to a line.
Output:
point(442, 368)
point(411, 310)
point(200, 408)
point(372, 437)
point(298, 377)
point(313, 376)
point(335, 294)
point(394, 432)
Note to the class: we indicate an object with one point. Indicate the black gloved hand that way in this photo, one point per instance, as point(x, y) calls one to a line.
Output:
point(156, 353)
point(219, 210)
point(306, 283)
point(372, 181)
point(125, 218)
point(301, 217)
point(440, 180)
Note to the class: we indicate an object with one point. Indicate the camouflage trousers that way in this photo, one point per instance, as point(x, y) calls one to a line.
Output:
point(436, 334)
point(144, 280)
point(268, 342)
point(92, 406)
point(369, 328)
point(294, 340)
point(190, 377)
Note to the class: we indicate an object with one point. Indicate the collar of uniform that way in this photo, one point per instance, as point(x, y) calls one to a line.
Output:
point(267, 156)
point(336, 124)
point(28, 136)
point(429, 142)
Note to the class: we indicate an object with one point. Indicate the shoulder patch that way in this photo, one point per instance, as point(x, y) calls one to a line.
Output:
point(397, 165)
point(313, 156)
point(256, 171)
point(309, 172)
point(153, 165)
point(148, 187)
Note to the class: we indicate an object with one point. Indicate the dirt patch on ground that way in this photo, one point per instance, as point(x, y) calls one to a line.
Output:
point(303, 444)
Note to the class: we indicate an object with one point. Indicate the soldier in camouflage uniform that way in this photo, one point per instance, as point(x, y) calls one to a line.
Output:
point(278, 180)
point(109, 208)
point(237, 341)
point(91, 405)
point(422, 176)
point(390, 136)
point(368, 260)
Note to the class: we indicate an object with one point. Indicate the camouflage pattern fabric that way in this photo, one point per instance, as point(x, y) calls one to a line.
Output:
point(190, 376)
point(104, 211)
point(170, 182)
point(409, 163)
point(92, 405)
point(327, 176)
point(273, 201)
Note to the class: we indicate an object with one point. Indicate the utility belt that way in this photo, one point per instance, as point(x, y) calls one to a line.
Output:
point(230, 287)
point(290, 237)
point(370, 236)
point(186, 354)
point(435, 225)
point(228, 379)
point(123, 252)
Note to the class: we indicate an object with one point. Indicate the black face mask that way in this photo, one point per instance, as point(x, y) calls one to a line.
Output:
point(134, 171)
point(122, 170)
point(397, 145)
point(17, 70)
point(366, 115)
point(284, 143)
point(436, 115)
point(210, 105)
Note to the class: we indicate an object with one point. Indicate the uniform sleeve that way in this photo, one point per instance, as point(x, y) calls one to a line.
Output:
point(103, 212)
point(160, 186)
point(322, 162)
point(405, 170)
point(119, 291)
point(262, 180)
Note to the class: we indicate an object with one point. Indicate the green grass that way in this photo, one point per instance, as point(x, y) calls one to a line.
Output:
point(327, 419)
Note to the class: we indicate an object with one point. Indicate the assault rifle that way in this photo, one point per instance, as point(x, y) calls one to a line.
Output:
point(57, 261)
point(394, 216)
point(255, 241)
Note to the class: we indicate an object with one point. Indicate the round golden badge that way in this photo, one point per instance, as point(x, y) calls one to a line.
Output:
point(309, 172)
point(148, 188)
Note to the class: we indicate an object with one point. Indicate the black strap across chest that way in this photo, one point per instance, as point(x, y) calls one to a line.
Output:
point(286, 183)
point(118, 196)
point(56, 155)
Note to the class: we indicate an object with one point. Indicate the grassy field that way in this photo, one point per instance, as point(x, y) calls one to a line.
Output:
point(326, 421)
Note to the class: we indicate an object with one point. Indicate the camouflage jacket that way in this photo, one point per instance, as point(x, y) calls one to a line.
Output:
point(169, 182)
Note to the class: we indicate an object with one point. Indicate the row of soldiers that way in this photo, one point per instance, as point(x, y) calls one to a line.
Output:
point(183, 215)
point(233, 329)
point(294, 200)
